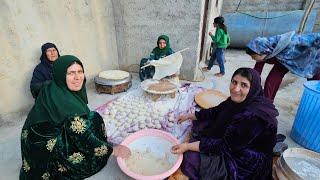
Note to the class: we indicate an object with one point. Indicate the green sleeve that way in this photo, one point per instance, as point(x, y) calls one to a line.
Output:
point(216, 38)
point(152, 55)
point(81, 132)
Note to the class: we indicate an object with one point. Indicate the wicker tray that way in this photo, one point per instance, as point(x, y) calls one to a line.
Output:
point(209, 98)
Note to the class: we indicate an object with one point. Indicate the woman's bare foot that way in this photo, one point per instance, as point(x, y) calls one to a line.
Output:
point(218, 74)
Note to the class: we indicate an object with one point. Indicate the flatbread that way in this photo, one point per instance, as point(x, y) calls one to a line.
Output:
point(114, 74)
point(209, 98)
point(162, 86)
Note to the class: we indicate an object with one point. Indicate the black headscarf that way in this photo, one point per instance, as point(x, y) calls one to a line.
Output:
point(43, 70)
point(44, 48)
point(257, 103)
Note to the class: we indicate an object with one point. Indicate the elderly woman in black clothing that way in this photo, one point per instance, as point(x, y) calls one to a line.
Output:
point(42, 73)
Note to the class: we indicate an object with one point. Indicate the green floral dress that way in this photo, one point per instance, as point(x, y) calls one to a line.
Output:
point(74, 151)
point(62, 138)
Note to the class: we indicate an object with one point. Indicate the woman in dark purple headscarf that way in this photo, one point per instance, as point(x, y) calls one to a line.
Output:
point(42, 73)
point(233, 140)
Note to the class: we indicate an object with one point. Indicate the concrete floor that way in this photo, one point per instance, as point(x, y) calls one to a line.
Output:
point(10, 161)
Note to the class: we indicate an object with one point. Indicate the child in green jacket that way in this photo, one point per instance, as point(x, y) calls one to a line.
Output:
point(222, 40)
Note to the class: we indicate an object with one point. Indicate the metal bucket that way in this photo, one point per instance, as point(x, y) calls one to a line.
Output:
point(298, 164)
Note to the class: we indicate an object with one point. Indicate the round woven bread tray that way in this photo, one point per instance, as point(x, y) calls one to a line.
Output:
point(146, 84)
point(156, 89)
point(112, 85)
point(209, 98)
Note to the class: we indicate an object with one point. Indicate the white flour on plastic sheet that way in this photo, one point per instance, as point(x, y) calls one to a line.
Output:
point(118, 127)
point(306, 168)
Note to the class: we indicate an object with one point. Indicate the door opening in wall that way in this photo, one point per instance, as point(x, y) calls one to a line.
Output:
point(204, 27)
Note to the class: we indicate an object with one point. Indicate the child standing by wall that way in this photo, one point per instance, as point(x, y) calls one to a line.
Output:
point(222, 40)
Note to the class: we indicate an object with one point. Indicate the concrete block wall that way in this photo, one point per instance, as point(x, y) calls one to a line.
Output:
point(82, 28)
point(138, 24)
point(261, 5)
point(104, 34)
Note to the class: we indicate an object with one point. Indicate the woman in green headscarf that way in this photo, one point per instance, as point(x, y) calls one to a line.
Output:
point(163, 49)
point(61, 138)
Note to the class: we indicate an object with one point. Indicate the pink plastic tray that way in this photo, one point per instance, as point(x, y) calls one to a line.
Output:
point(143, 136)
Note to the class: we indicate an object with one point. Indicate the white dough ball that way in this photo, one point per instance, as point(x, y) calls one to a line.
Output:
point(106, 111)
point(158, 126)
point(170, 124)
point(171, 119)
point(142, 126)
point(128, 120)
point(127, 125)
point(136, 128)
point(124, 134)
point(150, 125)
point(118, 124)
point(120, 128)
point(148, 120)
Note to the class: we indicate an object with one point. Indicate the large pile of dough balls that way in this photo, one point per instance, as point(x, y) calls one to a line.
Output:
point(132, 114)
